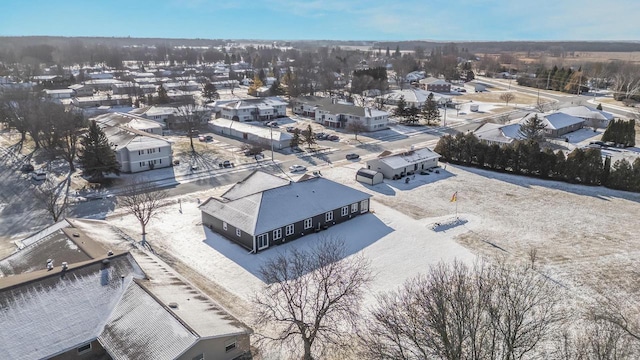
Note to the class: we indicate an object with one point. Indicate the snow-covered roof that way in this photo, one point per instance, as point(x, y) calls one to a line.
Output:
point(499, 133)
point(283, 205)
point(260, 131)
point(406, 158)
point(140, 328)
point(554, 121)
point(126, 120)
point(587, 112)
point(63, 310)
point(330, 105)
point(256, 182)
point(413, 95)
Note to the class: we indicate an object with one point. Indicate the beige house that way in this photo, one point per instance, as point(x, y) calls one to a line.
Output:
point(331, 113)
point(399, 164)
point(109, 305)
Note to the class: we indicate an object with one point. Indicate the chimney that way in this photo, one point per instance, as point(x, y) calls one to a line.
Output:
point(104, 273)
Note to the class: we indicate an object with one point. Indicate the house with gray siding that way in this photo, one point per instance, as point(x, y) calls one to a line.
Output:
point(329, 112)
point(399, 164)
point(264, 210)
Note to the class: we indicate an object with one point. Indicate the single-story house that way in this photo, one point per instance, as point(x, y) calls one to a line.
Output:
point(58, 94)
point(129, 88)
point(252, 133)
point(435, 85)
point(84, 102)
point(102, 84)
point(397, 165)
point(108, 305)
point(499, 134)
point(558, 123)
point(592, 116)
point(81, 90)
point(369, 177)
point(414, 96)
point(251, 109)
point(264, 210)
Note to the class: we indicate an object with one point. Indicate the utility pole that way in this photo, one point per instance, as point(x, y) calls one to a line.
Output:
point(271, 134)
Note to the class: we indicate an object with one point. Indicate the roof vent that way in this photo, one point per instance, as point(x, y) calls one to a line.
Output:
point(173, 305)
point(76, 235)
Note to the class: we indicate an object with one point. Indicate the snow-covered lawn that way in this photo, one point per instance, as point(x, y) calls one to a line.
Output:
point(586, 237)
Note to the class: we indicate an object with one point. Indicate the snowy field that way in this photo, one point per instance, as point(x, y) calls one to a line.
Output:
point(585, 236)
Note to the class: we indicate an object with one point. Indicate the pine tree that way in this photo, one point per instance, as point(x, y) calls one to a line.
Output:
point(599, 107)
point(430, 110)
point(210, 92)
point(309, 137)
point(163, 98)
point(532, 128)
point(96, 157)
point(295, 140)
point(401, 108)
point(388, 53)
point(397, 53)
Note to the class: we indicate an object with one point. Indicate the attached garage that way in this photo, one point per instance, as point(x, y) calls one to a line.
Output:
point(369, 177)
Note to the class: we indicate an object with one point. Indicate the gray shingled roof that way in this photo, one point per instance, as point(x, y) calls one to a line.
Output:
point(264, 210)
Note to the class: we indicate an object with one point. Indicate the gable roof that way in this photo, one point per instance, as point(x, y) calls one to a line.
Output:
point(334, 107)
point(277, 206)
point(587, 112)
point(406, 158)
point(498, 132)
point(256, 182)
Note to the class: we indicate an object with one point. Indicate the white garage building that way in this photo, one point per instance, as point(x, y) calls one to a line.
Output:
point(397, 165)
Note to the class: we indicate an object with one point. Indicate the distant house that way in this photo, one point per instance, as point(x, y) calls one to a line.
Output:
point(98, 304)
point(264, 210)
point(125, 88)
point(498, 134)
point(397, 165)
point(252, 133)
point(331, 113)
point(415, 97)
point(102, 84)
point(251, 109)
point(58, 94)
point(81, 90)
point(558, 123)
point(160, 114)
point(435, 85)
point(84, 102)
point(592, 116)
point(136, 141)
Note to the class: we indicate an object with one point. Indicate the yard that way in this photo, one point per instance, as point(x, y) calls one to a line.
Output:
point(584, 236)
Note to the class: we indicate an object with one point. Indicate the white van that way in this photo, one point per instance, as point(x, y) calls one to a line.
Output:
point(39, 175)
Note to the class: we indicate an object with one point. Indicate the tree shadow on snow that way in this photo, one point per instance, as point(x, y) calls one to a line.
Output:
point(357, 234)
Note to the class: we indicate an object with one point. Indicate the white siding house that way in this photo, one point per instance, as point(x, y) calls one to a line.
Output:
point(397, 165)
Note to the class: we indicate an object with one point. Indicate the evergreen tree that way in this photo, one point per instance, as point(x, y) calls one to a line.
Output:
point(96, 156)
point(388, 53)
point(599, 107)
point(276, 89)
point(295, 139)
point(430, 111)
point(309, 136)
point(532, 128)
point(210, 92)
point(163, 98)
point(401, 108)
point(412, 115)
point(621, 175)
point(397, 53)
point(150, 100)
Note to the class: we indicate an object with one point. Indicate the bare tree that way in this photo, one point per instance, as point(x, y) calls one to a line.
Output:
point(356, 127)
point(507, 97)
point(457, 312)
point(189, 117)
point(311, 297)
point(142, 200)
point(54, 197)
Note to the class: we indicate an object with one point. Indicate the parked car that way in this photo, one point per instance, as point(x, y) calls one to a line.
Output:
point(424, 172)
point(291, 129)
point(333, 137)
point(297, 168)
point(39, 175)
point(272, 123)
point(208, 138)
point(25, 168)
point(321, 136)
point(226, 164)
point(193, 133)
point(201, 138)
point(352, 156)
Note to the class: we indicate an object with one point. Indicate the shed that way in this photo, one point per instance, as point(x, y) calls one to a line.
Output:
point(370, 177)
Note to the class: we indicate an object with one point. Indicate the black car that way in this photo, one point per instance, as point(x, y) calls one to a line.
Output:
point(352, 156)
point(26, 168)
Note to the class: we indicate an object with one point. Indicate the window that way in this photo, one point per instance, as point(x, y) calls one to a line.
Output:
point(354, 207)
point(263, 241)
point(364, 206)
point(224, 226)
point(84, 349)
point(238, 232)
point(344, 211)
point(198, 357)
point(277, 234)
point(159, 150)
point(308, 223)
point(230, 347)
point(328, 216)
point(140, 152)
point(288, 230)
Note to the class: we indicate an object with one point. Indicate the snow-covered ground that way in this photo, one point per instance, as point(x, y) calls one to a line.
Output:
point(585, 236)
